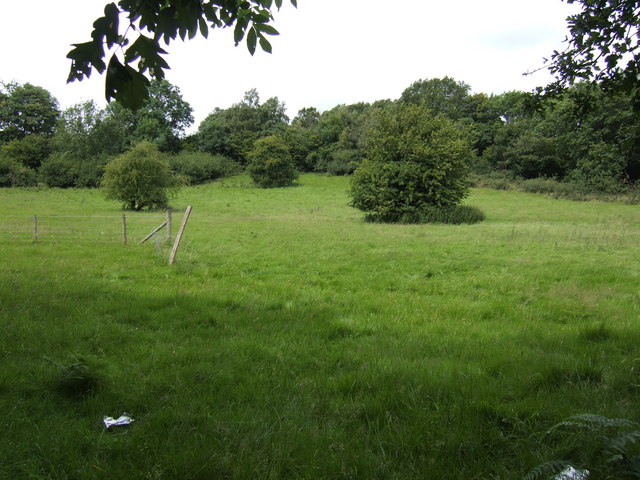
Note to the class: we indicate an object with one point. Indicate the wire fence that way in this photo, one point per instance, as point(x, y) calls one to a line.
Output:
point(123, 229)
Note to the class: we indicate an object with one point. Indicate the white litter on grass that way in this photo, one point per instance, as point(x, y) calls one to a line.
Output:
point(123, 419)
point(571, 473)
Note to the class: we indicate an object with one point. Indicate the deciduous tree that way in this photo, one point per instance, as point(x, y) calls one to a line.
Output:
point(140, 178)
point(26, 109)
point(413, 161)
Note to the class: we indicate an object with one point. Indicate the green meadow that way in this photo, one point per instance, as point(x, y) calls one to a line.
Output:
point(293, 340)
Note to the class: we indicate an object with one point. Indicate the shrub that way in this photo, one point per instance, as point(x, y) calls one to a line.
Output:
point(140, 178)
point(24, 177)
point(540, 185)
point(495, 180)
point(600, 170)
point(413, 161)
point(91, 170)
point(59, 170)
point(553, 188)
point(270, 163)
point(342, 162)
point(13, 174)
point(201, 167)
point(29, 151)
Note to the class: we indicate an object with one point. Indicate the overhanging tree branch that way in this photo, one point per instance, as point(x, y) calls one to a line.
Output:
point(157, 21)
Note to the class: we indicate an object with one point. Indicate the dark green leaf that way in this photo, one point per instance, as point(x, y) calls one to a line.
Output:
point(210, 14)
point(612, 61)
point(83, 57)
point(268, 29)
point(238, 33)
point(126, 85)
point(167, 25)
point(148, 50)
point(204, 28)
point(107, 26)
point(251, 41)
point(264, 43)
point(262, 17)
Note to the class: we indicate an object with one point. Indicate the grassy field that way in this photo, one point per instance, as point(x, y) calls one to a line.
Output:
point(294, 340)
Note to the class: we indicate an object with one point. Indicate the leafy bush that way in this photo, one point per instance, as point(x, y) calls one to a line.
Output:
point(29, 151)
point(24, 177)
point(201, 167)
point(140, 178)
point(573, 190)
point(494, 179)
point(13, 174)
point(341, 162)
point(547, 186)
point(600, 170)
point(413, 161)
point(91, 170)
point(59, 170)
point(270, 163)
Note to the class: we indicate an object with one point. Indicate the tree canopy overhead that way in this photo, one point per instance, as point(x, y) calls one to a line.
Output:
point(156, 22)
point(603, 47)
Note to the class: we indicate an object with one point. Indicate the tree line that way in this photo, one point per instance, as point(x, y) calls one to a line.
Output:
point(587, 136)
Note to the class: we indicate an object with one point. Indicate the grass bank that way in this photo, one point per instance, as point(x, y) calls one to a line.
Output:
point(294, 340)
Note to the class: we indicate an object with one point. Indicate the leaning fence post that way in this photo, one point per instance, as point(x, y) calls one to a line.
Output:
point(174, 250)
point(35, 228)
point(124, 229)
point(168, 225)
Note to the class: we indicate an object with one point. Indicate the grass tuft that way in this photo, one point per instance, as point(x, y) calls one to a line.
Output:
point(595, 334)
point(77, 380)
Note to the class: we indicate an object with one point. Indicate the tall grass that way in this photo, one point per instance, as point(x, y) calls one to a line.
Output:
point(293, 339)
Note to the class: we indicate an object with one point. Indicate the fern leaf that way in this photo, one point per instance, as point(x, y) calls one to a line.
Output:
point(547, 469)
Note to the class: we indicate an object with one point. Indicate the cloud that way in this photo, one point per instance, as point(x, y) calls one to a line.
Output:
point(518, 39)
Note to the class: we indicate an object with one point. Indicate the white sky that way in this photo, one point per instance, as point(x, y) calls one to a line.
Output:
point(329, 51)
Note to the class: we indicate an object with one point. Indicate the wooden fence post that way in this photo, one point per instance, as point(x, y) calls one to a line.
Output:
point(124, 229)
point(35, 228)
point(168, 225)
point(174, 250)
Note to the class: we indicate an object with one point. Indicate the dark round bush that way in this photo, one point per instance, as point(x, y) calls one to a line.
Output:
point(201, 167)
point(413, 162)
point(59, 170)
point(14, 174)
point(271, 164)
point(140, 178)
